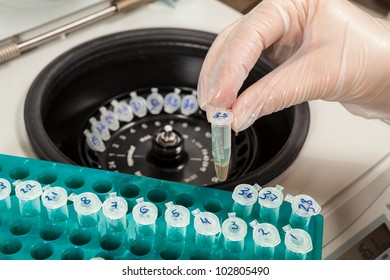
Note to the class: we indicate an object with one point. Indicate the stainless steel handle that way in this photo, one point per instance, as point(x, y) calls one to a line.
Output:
point(11, 50)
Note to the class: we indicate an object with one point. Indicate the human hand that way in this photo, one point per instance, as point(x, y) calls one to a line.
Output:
point(328, 50)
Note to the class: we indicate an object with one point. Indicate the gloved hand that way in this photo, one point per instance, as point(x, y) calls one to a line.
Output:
point(324, 49)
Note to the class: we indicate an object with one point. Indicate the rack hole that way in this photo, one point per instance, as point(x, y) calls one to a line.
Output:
point(102, 186)
point(157, 195)
point(72, 254)
point(80, 237)
point(74, 182)
point(110, 242)
point(10, 246)
point(129, 191)
point(50, 233)
point(212, 205)
point(47, 177)
point(19, 173)
point(185, 200)
point(170, 252)
point(20, 228)
point(140, 248)
point(41, 251)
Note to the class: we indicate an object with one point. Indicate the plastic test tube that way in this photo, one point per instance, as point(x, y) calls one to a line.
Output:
point(55, 199)
point(155, 102)
point(108, 118)
point(266, 238)
point(189, 104)
point(172, 101)
point(177, 218)
point(270, 199)
point(303, 208)
point(234, 231)
point(94, 141)
point(221, 131)
point(99, 129)
point(123, 110)
point(28, 194)
point(245, 196)
point(5, 190)
point(87, 206)
point(145, 215)
point(114, 210)
point(207, 228)
point(298, 243)
point(138, 104)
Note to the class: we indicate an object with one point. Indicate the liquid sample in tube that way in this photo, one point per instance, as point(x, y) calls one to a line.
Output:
point(221, 133)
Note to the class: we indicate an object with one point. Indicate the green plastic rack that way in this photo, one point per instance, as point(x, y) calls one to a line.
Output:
point(38, 237)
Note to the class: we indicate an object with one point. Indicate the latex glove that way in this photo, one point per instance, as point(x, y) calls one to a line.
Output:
point(328, 50)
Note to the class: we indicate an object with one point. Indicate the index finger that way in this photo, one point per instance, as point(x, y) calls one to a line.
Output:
point(237, 49)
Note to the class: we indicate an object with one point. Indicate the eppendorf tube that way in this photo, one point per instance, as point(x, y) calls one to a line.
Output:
point(114, 210)
point(234, 231)
point(207, 228)
point(270, 199)
point(266, 237)
point(245, 196)
point(138, 104)
point(145, 215)
point(28, 194)
point(155, 102)
point(303, 208)
point(5, 190)
point(87, 206)
point(221, 131)
point(55, 199)
point(177, 218)
point(298, 243)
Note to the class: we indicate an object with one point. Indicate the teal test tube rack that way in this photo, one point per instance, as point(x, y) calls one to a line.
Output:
point(39, 237)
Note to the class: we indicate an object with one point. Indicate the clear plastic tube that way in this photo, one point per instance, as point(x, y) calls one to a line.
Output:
point(54, 199)
point(87, 206)
point(303, 208)
point(270, 199)
point(244, 197)
point(207, 229)
point(221, 131)
point(28, 194)
point(234, 231)
point(5, 191)
point(114, 210)
point(177, 218)
point(266, 237)
point(145, 215)
point(298, 243)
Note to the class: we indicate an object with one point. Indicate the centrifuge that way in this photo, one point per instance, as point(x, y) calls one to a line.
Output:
point(67, 65)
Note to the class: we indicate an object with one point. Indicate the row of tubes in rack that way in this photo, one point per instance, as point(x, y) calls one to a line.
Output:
point(124, 111)
point(207, 225)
